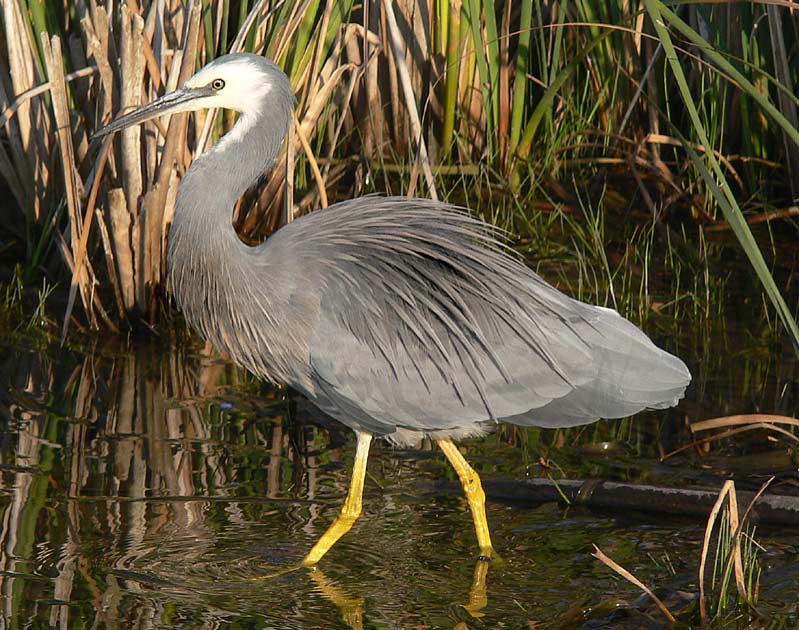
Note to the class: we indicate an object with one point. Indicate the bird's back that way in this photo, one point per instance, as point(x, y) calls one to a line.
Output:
point(428, 324)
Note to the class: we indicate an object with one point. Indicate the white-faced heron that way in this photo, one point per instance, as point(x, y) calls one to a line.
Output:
point(400, 317)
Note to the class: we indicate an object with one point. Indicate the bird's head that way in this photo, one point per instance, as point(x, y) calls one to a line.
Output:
point(242, 81)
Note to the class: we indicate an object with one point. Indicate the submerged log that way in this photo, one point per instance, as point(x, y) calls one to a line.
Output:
point(775, 509)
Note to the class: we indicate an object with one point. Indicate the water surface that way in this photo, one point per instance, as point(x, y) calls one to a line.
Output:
point(151, 486)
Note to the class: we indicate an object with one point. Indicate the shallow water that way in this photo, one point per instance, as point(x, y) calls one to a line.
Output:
point(153, 487)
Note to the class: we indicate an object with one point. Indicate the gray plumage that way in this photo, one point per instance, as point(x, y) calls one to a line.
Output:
point(397, 316)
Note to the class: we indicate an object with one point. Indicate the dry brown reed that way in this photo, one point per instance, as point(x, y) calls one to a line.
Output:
point(462, 89)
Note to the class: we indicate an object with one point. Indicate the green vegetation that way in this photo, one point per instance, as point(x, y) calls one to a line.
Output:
point(23, 308)
point(730, 597)
point(675, 125)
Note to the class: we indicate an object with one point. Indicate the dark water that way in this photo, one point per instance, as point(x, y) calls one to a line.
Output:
point(153, 487)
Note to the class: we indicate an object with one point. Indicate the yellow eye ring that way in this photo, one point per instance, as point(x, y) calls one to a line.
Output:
point(217, 84)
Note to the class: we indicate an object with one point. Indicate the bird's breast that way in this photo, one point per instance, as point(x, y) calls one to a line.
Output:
point(245, 309)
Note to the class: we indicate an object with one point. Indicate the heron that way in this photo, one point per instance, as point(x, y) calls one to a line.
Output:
point(403, 318)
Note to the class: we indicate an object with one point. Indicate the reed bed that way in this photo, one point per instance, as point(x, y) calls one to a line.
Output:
point(692, 107)
point(730, 545)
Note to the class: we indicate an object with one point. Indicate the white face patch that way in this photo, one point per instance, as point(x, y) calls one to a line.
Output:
point(242, 85)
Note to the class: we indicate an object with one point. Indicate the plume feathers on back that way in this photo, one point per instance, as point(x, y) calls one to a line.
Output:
point(427, 323)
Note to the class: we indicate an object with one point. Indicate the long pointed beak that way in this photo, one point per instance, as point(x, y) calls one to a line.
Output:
point(181, 100)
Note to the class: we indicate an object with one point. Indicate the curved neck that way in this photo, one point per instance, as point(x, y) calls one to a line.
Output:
point(209, 268)
point(217, 179)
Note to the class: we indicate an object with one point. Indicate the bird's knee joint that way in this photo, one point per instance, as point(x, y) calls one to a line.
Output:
point(350, 513)
point(473, 488)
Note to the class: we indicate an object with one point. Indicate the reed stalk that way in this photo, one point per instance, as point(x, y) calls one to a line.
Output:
point(511, 94)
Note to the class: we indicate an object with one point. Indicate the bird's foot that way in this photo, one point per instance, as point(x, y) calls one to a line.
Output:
point(291, 568)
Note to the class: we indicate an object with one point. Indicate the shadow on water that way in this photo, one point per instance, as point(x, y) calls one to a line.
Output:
point(156, 487)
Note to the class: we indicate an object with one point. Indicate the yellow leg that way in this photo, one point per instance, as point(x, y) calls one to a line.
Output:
point(470, 481)
point(351, 509)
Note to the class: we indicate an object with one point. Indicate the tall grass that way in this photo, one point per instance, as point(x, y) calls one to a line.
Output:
point(693, 106)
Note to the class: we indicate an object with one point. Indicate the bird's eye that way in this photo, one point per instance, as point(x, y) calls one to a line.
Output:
point(217, 84)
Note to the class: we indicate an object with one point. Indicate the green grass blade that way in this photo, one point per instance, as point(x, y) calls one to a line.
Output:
point(222, 44)
point(492, 41)
point(302, 50)
point(520, 80)
point(728, 68)
point(548, 97)
point(486, 82)
point(208, 30)
point(714, 177)
point(453, 72)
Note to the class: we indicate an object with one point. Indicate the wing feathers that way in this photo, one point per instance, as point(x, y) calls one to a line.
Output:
point(429, 321)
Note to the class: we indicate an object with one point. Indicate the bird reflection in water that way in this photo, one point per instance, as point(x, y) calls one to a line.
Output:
point(350, 606)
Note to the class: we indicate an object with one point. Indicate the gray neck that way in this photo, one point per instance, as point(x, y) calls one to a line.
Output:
point(216, 180)
point(208, 271)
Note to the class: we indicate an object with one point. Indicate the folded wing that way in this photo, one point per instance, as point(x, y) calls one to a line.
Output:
point(427, 322)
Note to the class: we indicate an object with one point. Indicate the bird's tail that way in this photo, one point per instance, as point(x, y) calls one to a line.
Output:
point(632, 374)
